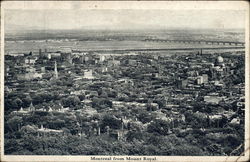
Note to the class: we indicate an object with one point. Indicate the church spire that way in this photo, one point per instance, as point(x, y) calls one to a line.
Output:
point(56, 73)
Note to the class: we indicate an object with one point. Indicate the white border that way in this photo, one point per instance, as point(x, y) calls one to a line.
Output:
point(177, 5)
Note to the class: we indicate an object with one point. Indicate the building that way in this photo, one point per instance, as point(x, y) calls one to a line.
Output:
point(205, 78)
point(156, 57)
point(30, 69)
point(29, 76)
point(182, 83)
point(31, 107)
point(132, 62)
point(213, 99)
point(66, 54)
point(86, 58)
point(200, 80)
point(55, 55)
point(15, 54)
point(30, 60)
point(47, 131)
point(114, 63)
point(42, 54)
point(219, 61)
point(43, 69)
point(49, 56)
point(88, 74)
point(104, 69)
point(101, 58)
point(117, 134)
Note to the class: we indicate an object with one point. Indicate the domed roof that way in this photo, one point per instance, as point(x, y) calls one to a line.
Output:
point(220, 59)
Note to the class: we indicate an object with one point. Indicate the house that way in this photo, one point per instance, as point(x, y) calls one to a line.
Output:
point(29, 76)
point(47, 131)
point(88, 74)
point(30, 60)
point(235, 121)
point(114, 63)
point(118, 134)
point(212, 99)
point(101, 58)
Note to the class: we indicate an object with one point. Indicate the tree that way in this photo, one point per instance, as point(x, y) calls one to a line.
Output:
point(56, 123)
point(158, 126)
point(134, 135)
point(28, 130)
point(11, 146)
point(26, 101)
point(111, 121)
point(161, 101)
point(15, 123)
point(18, 102)
point(37, 99)
point(71, 124)
point(187, 150)
point(71, 101)
point(101, 103)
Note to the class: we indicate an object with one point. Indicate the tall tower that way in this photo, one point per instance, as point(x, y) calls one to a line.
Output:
point(56, 73)
point(40, 53)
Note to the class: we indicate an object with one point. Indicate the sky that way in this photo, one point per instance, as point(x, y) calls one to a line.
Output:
point(123, 19)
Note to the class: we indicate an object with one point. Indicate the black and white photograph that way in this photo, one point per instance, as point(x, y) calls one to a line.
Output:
point(136, 81)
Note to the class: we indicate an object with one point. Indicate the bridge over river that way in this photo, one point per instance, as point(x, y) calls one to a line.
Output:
point(198, 41)
point(163, 49)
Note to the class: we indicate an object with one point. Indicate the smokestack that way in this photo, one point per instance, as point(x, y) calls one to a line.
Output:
point(98, 131)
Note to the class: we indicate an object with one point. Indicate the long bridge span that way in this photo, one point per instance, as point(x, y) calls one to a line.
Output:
point(198, 41)
point(165, 49)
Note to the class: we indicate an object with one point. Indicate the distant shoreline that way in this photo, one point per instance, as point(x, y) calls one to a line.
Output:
point(163, 49)
point(108, 51)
